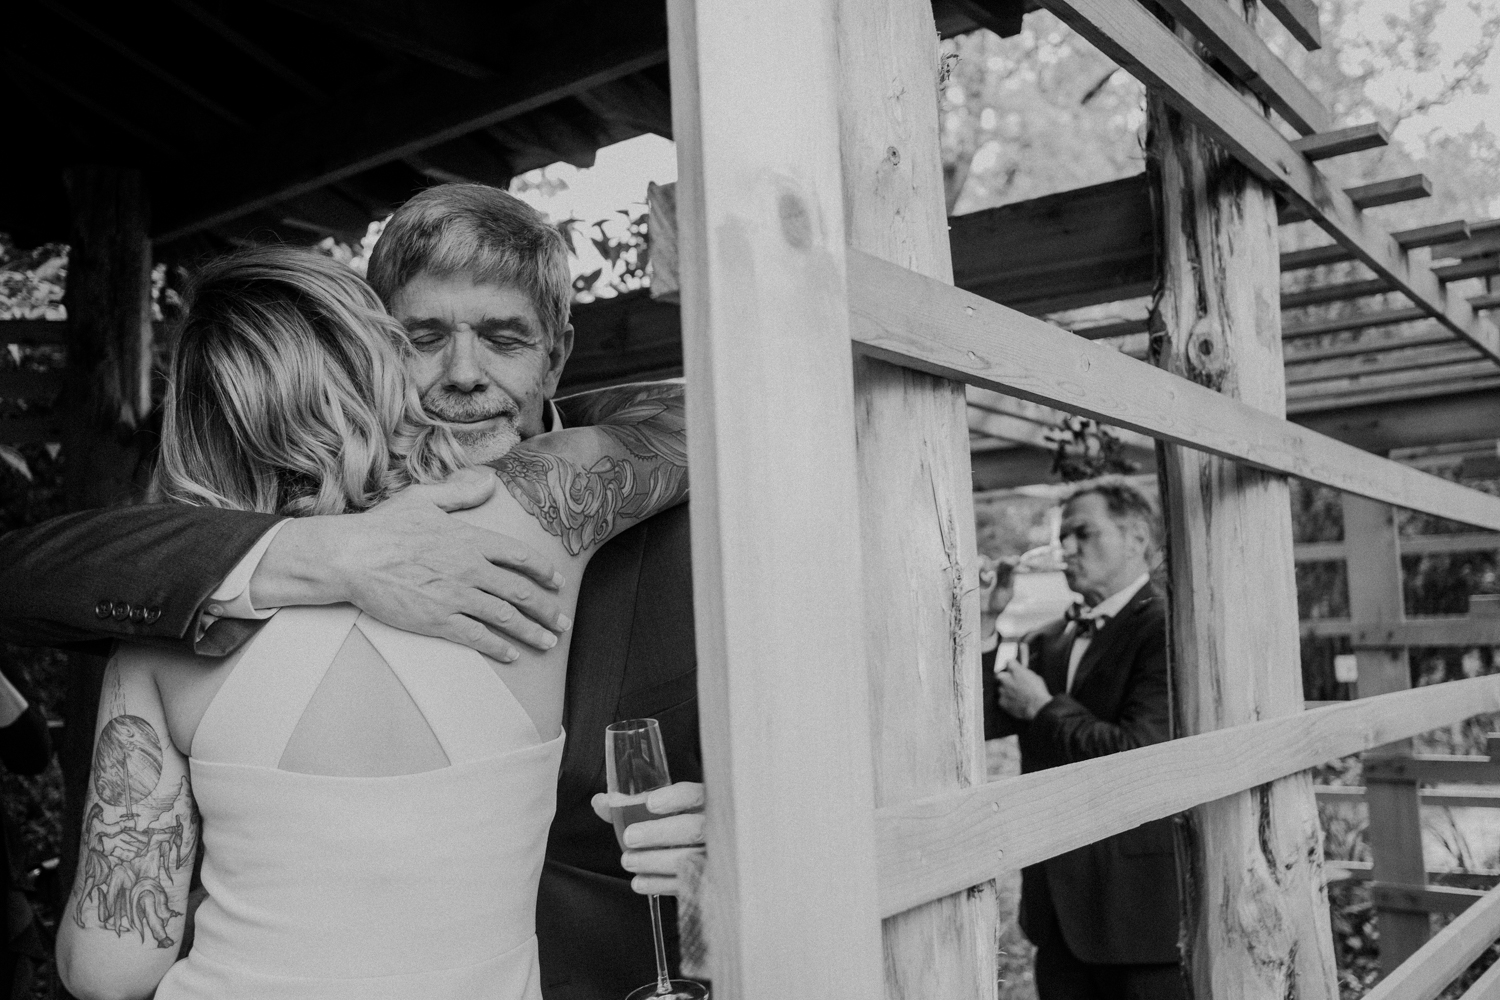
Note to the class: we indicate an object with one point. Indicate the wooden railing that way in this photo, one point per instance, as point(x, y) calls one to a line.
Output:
point(1443, 959)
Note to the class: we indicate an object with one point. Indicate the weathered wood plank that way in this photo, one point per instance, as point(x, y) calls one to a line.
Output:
point(1441, 960)
point(1340, 142)
point(1407, 239)
point(1486, 987)
point(1373, 361)
point(1423, 899)
point(908, 319)
point(938, 846)
point(1395, 828)
point(921, 606)
point(1300, 17)
point(1129, 34)
point(1225, 34)
point(778, 588)
point(1341, 292)
point(1373, 195)
point(1365, 321)
point(1482, 239)
point(1455, 769)
point(1452, 798)
point(1255, 912)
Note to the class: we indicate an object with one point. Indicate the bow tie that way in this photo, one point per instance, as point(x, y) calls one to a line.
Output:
point(1085, 623)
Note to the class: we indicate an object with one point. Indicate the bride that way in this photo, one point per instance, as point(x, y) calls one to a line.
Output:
point(373, 804)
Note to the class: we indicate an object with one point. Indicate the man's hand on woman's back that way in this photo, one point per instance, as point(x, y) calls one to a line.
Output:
point(408, 564)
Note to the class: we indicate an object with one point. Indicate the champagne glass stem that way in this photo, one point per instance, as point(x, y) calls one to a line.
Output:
point(663, 978)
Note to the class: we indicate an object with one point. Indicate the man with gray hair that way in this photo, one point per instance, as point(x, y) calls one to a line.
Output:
point(1104, 917)
point(480, 281)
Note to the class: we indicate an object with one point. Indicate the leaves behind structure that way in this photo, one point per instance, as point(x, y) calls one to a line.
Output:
point(1087, 449)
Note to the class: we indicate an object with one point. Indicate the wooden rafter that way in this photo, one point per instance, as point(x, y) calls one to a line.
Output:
point(401, 117)
point(1127, 33)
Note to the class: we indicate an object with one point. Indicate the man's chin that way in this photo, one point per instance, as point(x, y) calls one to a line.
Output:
point(489, 444)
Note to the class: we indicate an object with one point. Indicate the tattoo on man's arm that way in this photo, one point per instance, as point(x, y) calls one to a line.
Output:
point(582, 505)
point(139, 836)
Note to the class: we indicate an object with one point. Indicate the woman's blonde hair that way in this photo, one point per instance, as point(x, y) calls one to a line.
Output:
point(289, 395)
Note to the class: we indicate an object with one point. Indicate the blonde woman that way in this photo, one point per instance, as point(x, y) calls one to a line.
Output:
point(373, 804)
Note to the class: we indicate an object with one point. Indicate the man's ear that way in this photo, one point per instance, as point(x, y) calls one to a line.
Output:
point(557, 357)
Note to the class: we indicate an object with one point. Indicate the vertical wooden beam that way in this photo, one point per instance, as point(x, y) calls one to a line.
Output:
point(1373, 555)
point(916, 506)
point(1255, 912)
point(783, 687)
point(108, 298)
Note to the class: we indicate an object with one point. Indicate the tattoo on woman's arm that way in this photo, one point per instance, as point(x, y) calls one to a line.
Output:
point(581, 505)
point(139, 837)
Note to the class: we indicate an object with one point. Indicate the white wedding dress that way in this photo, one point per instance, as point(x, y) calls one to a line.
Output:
point(336, 888)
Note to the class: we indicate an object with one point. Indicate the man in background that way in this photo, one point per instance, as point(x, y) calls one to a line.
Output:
point(1104, 918)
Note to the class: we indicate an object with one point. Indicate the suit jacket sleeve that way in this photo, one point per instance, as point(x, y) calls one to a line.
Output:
point(167, 558)
point(997, 722)
point(1074, 733)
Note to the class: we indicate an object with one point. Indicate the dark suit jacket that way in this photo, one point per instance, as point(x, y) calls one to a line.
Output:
point(1114, 901)
point(632, 655)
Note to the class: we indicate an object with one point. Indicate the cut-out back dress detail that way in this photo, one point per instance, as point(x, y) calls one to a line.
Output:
point(337, 888)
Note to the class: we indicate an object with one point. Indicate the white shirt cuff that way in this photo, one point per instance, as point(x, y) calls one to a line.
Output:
point(232, 598)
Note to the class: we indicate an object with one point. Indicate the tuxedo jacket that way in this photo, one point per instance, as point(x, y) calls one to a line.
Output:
point(1114, 901)
point(64, 582)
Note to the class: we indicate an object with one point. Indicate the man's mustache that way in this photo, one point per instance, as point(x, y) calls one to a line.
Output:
point(467, 409)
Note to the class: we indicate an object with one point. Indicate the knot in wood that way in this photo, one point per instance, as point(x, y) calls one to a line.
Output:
point(893, 156)
point(1206, 359)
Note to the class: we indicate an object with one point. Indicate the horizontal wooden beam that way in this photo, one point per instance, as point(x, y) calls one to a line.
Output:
point(1359, 321)
point(1342, 292)
point(1436, 769)
point(933, 847)
point(33, 331)
point(1300, 17)
point(911, 320)
point(1445, 899)
point(1468, 878)
point(1075, 248)
point(1423, 381)
point(1130, 35)
point(1457, 630)
point(1436, 335)
point(1453, 798)
point(1474, 267)
point(1342, 141)
point(1482, 239)
point(1443, 959)
point(1406, 239)
point(1389, 192)
point(380, 124)
point(1235, 43)
point(1411, 545)
point(1377, 359)
point(1119, 328)
point(1421, 420)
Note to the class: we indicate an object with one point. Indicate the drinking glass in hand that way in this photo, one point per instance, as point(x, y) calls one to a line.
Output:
point(636, 765)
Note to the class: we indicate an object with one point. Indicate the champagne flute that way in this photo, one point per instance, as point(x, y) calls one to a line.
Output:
point(636, 765)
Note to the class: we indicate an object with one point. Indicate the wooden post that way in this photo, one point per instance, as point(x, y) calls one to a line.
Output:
point(791, 909)
point(1373, 560)
point(916, 491)
point(108, 298)
point(1255, 911)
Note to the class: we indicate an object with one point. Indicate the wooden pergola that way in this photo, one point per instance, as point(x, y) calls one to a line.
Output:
point(830, 361)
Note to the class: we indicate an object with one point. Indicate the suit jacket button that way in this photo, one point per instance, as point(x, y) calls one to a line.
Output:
point(152, 614)
point(104, 609)
point(137, 615)
point(122, 610)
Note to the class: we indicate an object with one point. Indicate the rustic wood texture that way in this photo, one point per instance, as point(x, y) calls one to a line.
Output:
point(1342, 141)
point(1300, 17)
point(1373, 555)
point(1255, 912)
point(938, 846)
point(1129, 34)
point(778, 598)
point(1225, 34)
point(916, 507)
point(108, 298)
point(1441, 960)
point(918, 322)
